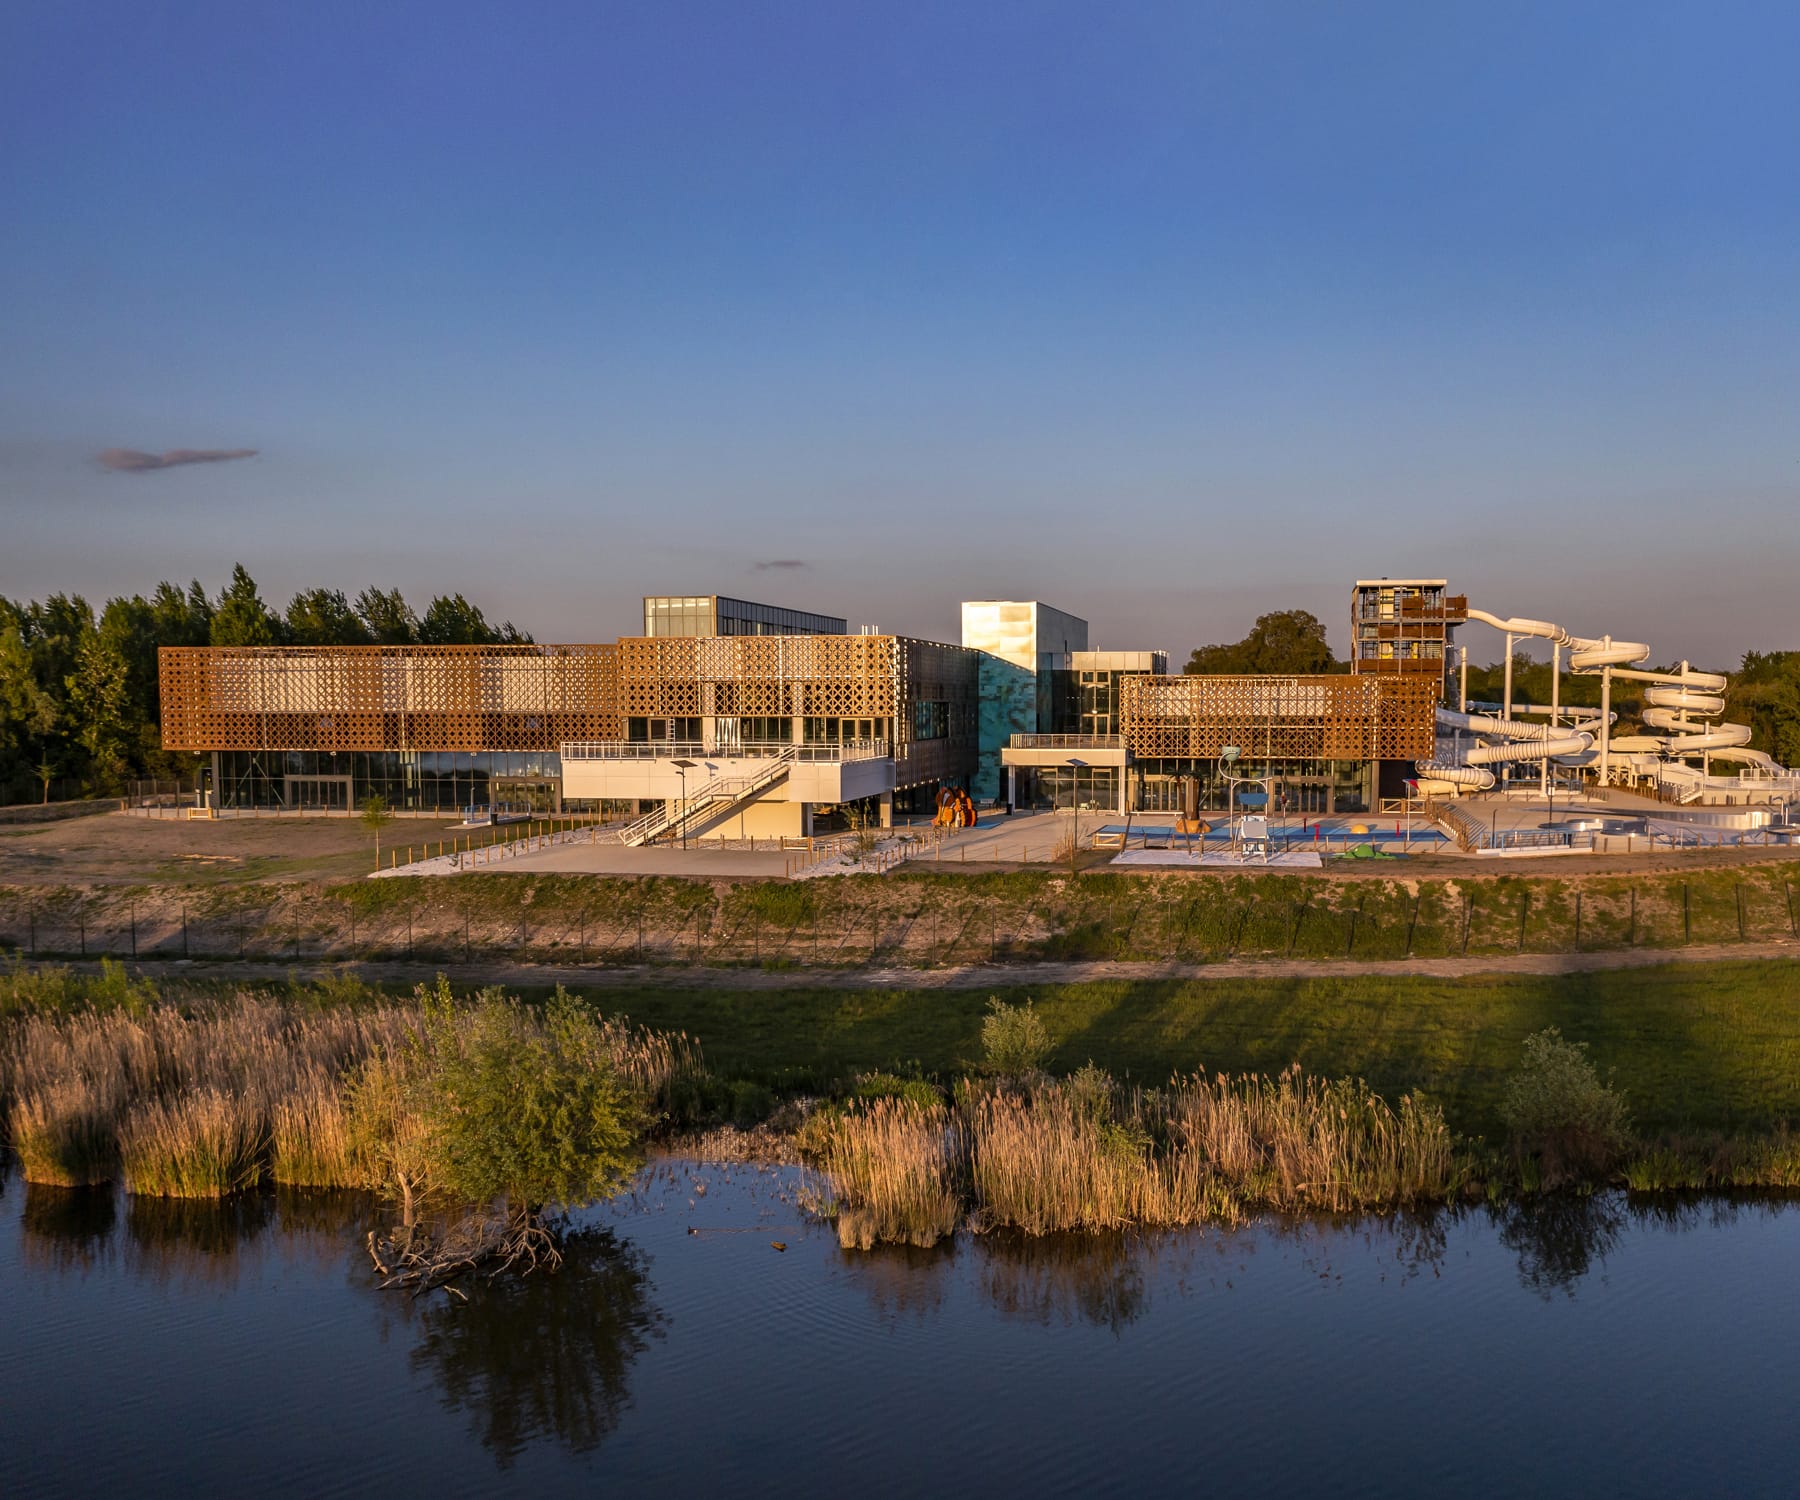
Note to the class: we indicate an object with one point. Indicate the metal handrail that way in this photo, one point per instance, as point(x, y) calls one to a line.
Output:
point(632, 749)
point(1067, 742)
point(830, 751)
point(673, 815)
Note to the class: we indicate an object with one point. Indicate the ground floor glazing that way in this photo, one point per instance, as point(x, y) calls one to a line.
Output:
point(1297, 786)
point(408, 780)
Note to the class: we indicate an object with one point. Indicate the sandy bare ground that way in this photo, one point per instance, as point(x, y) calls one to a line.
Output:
point(118, 849)
point(975, 976)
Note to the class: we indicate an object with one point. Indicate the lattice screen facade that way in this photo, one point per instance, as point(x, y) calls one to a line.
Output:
point(502, 698)
point(779, 676)
point(476, 698)
point(1281, 718)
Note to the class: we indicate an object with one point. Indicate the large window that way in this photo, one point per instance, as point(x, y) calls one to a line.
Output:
point(409, 781)
point(931, 720)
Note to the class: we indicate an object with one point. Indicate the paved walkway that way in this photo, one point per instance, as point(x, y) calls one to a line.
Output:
point(975, 976)
point(615, 859)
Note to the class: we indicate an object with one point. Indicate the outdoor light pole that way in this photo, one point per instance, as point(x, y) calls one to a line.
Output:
point(682, 767)
point(1075, 766)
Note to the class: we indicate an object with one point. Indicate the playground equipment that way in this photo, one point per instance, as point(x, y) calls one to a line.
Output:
point(1681, 703)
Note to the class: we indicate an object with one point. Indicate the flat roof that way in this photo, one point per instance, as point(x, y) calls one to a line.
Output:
point(1405, 583)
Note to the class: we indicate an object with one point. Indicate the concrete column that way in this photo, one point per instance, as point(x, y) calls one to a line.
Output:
point(887, 809)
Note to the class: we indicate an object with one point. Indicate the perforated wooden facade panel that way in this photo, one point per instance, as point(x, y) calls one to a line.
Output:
point(1285, 718)
point(482, 698)
point(775, 676)
point(387, 697)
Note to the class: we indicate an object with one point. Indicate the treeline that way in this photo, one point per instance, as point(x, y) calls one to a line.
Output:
point(80, 712)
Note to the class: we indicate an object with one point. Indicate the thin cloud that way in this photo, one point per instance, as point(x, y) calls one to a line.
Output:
point(782, 565)
point(131, 461)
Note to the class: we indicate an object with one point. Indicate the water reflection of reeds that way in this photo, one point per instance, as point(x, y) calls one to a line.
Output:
point(1103, 1280)
point(66, 1230)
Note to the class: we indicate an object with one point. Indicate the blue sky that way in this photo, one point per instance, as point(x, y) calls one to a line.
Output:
point(1166, 314)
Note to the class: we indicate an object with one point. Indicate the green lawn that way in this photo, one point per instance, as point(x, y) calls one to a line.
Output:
point(1703, 1046)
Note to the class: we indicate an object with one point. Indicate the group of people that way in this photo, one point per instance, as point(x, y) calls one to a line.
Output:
point(955, 808)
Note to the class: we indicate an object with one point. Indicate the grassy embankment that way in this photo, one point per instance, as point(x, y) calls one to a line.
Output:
point(920, 919)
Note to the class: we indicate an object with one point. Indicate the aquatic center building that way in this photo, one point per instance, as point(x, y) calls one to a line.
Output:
point(769, 720)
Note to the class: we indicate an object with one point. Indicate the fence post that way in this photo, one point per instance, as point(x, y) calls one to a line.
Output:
point(83, 924)
point(1468, 919)
point(134, 929)
point(1793, 919)
point(1524, 916)
point(1687, 913)
point(184, 932)
point(1740, 906)
point(1578, 921)
point(1631, 942)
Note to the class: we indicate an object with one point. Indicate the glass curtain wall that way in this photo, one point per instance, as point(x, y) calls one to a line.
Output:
point(1300, 786)
point(410, 781)
point(714, 614)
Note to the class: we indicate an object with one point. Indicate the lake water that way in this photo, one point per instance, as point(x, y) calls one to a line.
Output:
point(1597, 1347)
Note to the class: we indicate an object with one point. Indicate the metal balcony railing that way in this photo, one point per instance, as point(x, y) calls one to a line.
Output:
point(1067, 742)
point(826, 753)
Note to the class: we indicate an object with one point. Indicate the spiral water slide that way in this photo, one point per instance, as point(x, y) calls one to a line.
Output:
point(1677, 700)
point(1524, 741)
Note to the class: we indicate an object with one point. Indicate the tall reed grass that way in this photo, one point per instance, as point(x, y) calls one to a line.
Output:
point(65, 1134)
point(1044, 1156)
point(214, 1096)
point(897, 1172)
point(205, 1143)
point(310, 1140)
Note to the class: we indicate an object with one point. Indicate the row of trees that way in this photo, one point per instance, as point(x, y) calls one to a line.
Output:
point(79, 702)
point(1764, 692)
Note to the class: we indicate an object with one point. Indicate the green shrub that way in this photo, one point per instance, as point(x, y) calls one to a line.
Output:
point(1561, 1116)
point(893, 1086)
point(1091, 1089)
point(748, 1103)
point(1013, 1039)
point(524, 1108)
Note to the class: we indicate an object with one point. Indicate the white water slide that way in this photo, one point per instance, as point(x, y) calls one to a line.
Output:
point(1678, 702)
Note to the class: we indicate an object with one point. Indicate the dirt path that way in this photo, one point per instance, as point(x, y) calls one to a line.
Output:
point(975, 976)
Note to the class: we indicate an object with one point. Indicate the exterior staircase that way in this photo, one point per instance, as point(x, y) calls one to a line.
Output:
point(722, 795)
